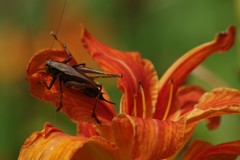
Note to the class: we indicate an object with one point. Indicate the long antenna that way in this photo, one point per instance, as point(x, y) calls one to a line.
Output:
point(60, 21)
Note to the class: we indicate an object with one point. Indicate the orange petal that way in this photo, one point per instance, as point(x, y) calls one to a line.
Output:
point(194, 148)
point(184, 65)
point(137, 73)
point(52, 143)
point(147, 138)
point(106, 131)
point(185, 99)
point(76, 105)
point(213, 122)
point(200, 150)
point(86, 129)
point(220, 101)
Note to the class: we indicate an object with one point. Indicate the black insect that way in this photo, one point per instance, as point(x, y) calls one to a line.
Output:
point(75, 77)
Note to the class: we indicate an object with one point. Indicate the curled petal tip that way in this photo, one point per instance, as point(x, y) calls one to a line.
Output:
point(48, 129)
point(226, 39)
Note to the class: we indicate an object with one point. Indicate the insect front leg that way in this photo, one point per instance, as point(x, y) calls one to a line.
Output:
point(64, 46)
point(51, 83)
point(69, 54)
point(60, 88)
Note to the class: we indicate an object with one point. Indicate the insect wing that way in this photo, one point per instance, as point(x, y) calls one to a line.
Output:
point(69, 71)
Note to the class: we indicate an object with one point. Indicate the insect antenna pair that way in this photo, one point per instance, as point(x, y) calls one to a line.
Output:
point(75, 77)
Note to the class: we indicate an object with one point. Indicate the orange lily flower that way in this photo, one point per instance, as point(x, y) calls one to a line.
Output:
point(157, 117)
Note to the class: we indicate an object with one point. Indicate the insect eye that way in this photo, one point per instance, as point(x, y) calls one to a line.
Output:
point(47, 63)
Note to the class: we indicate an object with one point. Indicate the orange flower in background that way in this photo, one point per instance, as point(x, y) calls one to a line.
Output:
point(157, 117)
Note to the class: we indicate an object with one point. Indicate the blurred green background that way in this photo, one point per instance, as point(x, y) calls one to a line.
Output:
point(162, 30)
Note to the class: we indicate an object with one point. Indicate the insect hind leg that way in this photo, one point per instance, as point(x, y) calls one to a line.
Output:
point(95, 105)
point(61, 94)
